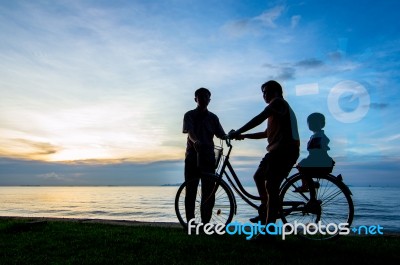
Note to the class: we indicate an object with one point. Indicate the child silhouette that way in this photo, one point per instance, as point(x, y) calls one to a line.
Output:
point(318, 159)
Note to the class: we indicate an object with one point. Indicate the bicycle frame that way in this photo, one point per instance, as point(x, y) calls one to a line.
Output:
point(236, 185)
point(233, 179)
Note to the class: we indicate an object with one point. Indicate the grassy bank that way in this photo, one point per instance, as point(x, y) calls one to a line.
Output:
point(62, 242)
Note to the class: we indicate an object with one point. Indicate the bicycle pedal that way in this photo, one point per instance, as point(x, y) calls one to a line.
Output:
point(313, 207)
point(257, 219)
point(301, 190)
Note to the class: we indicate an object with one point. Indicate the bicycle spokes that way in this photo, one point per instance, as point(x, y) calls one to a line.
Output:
point(213, 202)
point(325, 202)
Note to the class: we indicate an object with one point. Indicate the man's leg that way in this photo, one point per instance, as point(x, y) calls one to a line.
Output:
point(265, 207)
point(259, 179)
point(208, 191)
point(280, 164)
point(207, 200)
point(273, 184)
point(191, 187)
point(260, 176)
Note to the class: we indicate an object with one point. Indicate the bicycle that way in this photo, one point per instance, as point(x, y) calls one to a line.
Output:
point(327, 200)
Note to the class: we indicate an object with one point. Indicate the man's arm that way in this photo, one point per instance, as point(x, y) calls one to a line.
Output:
point(189, 129)
point(220, 133)
point(196, 142)
point(192, 136)
point(257, 120)
point(259, 135)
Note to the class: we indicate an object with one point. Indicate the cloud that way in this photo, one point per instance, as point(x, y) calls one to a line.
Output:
point(39, 148)
point(287, 71)
point(285, 74)
point(254, 25)
point(391, 138)
point(268, 17)
point(28, 172)
point(19, 147)
point(357, 171)
point(369, 170)
point(295, 20)
point(310, 63)
point(379, 106)
point(52, 176)
point(92, 85)
point(336, 55)
point(98, 82)
point(271, 66)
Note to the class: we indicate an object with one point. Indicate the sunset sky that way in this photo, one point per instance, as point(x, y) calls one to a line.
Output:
point(94, 92)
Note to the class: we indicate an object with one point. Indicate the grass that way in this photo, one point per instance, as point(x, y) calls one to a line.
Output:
point(61, 242)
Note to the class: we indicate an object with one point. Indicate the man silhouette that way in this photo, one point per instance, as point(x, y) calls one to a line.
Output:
point(200, 125)
point(283, 148)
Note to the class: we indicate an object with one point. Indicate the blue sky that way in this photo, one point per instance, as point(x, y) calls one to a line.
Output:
point(94, 92)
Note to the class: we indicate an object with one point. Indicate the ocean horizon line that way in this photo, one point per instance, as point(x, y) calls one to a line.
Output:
point(178, 184)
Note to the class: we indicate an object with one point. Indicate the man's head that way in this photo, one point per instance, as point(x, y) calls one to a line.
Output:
point(271, 90)
point(202, 97)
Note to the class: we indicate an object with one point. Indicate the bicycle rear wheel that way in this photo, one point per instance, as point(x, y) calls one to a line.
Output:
point(224, 206)
point(320, 219)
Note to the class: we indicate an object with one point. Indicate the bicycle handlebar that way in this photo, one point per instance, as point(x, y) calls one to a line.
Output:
point(228, 141)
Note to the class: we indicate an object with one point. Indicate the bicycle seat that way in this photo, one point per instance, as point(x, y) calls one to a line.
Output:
point(315, 170)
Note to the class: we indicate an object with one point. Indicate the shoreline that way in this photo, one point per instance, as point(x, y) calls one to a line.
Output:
point(131, 223)
point(93, 221)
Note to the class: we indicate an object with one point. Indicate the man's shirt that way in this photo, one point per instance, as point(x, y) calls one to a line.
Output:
point(282, 128)
point(204, 125)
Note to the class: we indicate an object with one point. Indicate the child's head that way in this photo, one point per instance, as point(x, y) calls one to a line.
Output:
point(316, 121)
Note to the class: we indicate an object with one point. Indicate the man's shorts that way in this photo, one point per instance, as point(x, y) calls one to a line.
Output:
point(278, 163)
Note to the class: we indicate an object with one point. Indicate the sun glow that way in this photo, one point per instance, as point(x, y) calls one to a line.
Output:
point(107, 132)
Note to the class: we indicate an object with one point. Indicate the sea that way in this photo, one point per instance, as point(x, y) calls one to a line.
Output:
point(373, 205)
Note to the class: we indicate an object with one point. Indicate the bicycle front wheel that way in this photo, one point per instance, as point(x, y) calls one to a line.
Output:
point(323, 217)
point(206, 200)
